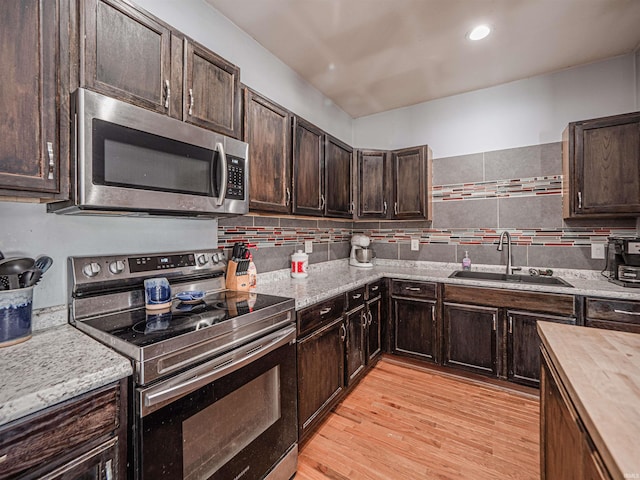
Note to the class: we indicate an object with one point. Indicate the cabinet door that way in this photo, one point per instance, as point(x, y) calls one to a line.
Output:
point(471, 338)
point(320, 373)
point(561, 437)
point(373, 197)
point(338, 159)
point(523, 345)
point(127, 54)
point(374, 329)
point(607, 162)
point(356, 324)
point(308, 168)
point(30, 145)
point(211, 91)
point(410, 180)
point(415, 327)
point(266, 130)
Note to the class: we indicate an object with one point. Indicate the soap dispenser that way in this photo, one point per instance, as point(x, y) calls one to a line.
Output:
point(466, 261)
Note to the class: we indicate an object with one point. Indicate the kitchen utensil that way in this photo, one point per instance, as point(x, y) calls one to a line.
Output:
point(15, 265)
point(9, 282)
point(43, 263)
point(30, 277)
point(157, 292)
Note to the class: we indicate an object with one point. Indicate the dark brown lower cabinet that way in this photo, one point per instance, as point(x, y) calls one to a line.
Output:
point(523, 345)
point(374, 328)
point(415, 327)
point(471, 338)
point(320, 373)
point(83, 438)
point(621, 315)
point(566, 450)
point(355, 346)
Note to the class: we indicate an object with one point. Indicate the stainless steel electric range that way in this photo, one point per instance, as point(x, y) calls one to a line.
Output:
point(214, 388)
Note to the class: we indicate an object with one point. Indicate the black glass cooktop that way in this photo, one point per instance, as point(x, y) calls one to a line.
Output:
point(143, 327)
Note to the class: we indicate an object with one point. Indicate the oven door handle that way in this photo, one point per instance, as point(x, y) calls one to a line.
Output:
point(160, 395)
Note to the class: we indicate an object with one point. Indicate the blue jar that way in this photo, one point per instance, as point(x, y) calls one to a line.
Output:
point(15, 315)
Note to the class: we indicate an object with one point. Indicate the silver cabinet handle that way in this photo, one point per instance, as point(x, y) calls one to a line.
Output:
point(580, 200)
point(191, 101)
point(626, 312)
point(51, 160)
point(288, 200)
point(384, 208)
point(353, 207)
point(413, 289)
point(343, 332)
point(324, 311)
point(395, 208)
point(108, 470)
point(510, 324)
point(167, 93)
point(370, 315)
point(356, 296)
point(373, 289)
point(363, 319)
point(433, 312)
point(321, 201)
point(495, 323)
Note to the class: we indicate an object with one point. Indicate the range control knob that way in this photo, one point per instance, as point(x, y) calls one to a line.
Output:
point(202, 260)
point(91, 269)
point(116, 267)
point(215, 258)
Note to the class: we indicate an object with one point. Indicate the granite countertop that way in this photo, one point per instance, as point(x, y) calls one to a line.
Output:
point(601, 371)
point(330, 279)
point(55, 365)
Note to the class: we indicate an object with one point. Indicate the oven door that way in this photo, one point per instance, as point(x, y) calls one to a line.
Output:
point(234, 417)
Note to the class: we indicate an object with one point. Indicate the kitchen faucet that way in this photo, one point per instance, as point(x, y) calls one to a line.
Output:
point(510, 268)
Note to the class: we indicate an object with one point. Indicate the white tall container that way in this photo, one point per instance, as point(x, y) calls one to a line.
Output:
point(299, 264)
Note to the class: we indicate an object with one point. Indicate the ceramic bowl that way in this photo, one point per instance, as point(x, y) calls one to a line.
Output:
point(194, 296)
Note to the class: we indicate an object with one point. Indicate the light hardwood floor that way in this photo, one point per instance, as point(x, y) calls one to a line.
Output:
point(407, 422)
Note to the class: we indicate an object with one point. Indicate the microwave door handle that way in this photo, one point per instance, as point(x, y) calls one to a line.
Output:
point(223, 183)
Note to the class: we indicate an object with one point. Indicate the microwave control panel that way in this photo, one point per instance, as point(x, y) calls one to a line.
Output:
point(235, 178)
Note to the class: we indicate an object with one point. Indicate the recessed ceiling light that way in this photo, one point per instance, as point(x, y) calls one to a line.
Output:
point(332, 66)
point(479, 32)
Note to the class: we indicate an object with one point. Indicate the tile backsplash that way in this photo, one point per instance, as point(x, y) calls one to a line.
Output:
point(475, 197)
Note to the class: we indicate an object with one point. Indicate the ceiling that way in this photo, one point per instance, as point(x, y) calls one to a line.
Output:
point(370, 56)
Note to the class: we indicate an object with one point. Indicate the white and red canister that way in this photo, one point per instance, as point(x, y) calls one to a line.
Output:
point(299, 264)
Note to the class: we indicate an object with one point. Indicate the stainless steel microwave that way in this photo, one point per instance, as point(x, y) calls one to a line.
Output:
point(130, 161)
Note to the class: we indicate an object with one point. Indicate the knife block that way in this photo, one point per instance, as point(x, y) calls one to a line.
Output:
point(236, 281)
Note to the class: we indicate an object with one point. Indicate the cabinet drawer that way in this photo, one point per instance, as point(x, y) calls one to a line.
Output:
point(355, 297)
point(613, 315)
point(45, 437)
point(374, 289)
point(413, 289)
point(319, 314)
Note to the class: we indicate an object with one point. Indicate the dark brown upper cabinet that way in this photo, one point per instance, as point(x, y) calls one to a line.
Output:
point(338, 160)
point(211, 91)
point(308, 168)
point(601, 167)
point(411, 182)
point(395, 184)
point(267, 131)
point(372, 184)
point(34, 98)
point(128, 54)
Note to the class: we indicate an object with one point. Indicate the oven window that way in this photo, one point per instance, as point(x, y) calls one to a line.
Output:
point(239, 418)
point(126, 157)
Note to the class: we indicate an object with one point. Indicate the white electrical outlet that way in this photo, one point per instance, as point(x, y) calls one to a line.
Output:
point(597, 250)
point(415, 244)
point(308, 246)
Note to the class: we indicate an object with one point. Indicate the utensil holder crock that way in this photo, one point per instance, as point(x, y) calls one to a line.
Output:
point(15, 315)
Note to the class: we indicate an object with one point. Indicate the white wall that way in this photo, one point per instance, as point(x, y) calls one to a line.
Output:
point(526, 112)
point(28, 230)
point(259, 69)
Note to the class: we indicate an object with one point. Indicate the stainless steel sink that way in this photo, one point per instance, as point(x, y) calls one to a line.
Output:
point(501, 277)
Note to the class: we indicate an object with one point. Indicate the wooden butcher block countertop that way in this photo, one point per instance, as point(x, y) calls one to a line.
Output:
point(600, 370)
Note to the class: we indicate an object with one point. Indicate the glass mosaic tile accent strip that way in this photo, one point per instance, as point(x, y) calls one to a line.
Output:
point(518, 187)
point(279, 236)
point(561, 237)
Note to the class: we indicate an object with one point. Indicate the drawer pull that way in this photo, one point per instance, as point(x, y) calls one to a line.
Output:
point(324, 311)
point(626, 312)
point(375, 289)
point(356, 296)
point(4, 457)
point(412, 289)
